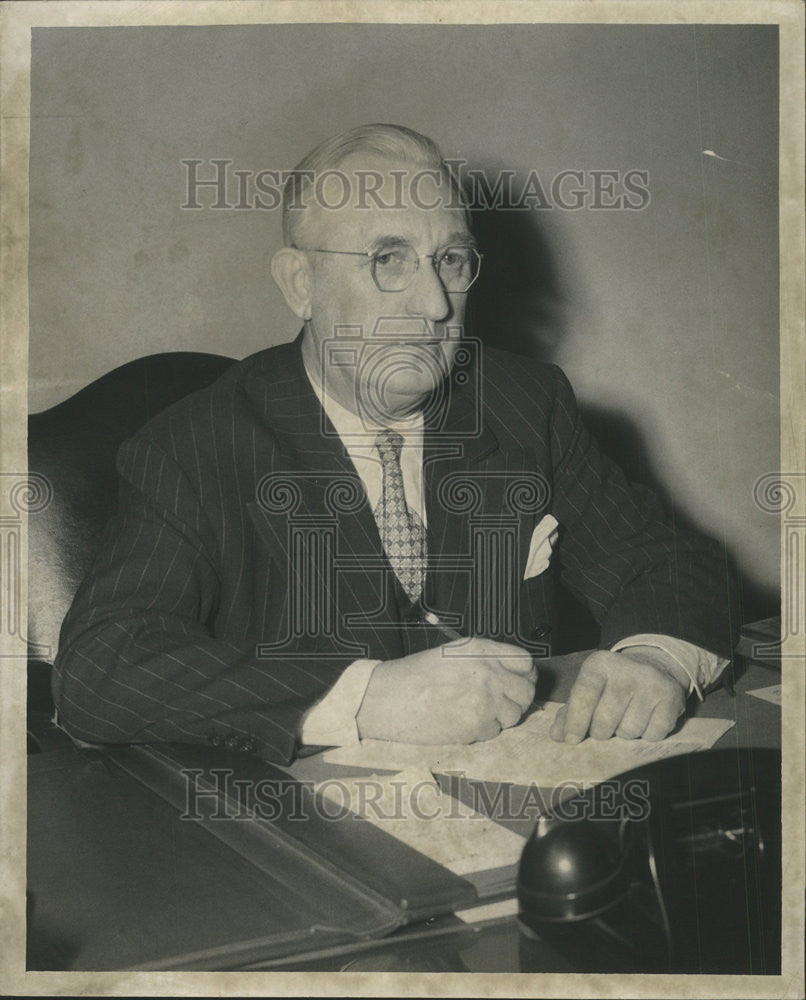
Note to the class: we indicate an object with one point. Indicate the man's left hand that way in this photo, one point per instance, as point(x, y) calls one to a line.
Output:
point(638, 692)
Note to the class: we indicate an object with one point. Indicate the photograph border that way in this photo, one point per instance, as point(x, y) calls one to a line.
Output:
point(17, 21)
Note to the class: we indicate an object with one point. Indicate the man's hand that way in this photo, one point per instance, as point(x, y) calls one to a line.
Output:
point(461, 692)
point(638, 692)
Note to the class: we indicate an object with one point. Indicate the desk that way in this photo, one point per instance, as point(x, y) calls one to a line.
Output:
point(117, 880)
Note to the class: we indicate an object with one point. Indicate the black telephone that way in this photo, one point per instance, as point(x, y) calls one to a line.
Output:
point(672, 867)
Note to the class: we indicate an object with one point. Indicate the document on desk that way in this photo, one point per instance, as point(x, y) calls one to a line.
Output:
point(526, 754)
point(412, 807)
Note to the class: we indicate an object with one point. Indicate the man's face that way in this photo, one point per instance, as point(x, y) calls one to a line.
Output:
point(383, 350)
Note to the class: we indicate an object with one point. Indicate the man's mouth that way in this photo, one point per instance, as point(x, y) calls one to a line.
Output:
point(411, 331)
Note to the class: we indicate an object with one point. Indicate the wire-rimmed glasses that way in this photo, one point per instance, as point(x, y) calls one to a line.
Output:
point(393, 268)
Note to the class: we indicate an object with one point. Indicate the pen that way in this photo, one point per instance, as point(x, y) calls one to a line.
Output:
point(450, 633)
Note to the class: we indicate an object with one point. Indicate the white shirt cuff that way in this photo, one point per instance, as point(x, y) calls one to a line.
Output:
point(702, 667)
point(331, 721)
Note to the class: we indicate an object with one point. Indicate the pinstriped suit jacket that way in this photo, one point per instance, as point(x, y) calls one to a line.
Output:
point(244, 570)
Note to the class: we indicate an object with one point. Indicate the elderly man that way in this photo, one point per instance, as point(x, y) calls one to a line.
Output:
point(359, 534)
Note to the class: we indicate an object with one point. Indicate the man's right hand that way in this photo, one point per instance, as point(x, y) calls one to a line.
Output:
point(463, 691)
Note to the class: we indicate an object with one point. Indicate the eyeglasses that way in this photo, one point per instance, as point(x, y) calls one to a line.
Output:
point(393, 269)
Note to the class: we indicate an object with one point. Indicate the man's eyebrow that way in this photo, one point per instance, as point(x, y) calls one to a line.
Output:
point(459, 236)
point(382, 242)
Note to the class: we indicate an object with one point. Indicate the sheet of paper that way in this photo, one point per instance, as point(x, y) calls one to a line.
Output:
point(489, 911)
point(771, 694)
point(527, 755)
point(411, 807)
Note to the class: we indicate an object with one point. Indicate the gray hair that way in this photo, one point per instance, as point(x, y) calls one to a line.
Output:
point(393, 142)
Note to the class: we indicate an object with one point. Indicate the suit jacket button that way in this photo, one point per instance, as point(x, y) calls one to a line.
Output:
point(232, 743)
point(542, 630)
point(247, 745)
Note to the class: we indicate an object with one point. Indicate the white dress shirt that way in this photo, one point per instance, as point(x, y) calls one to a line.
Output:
point(332, 720)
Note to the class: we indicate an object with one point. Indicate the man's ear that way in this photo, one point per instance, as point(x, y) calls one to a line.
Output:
point(292, 272)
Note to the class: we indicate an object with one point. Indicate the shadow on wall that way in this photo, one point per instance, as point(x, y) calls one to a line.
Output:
point(519, 304)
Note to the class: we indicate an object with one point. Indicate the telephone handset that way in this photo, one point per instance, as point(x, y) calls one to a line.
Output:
point(680, 873)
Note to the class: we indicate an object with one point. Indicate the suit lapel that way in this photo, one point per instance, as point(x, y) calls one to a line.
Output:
point(313, 483)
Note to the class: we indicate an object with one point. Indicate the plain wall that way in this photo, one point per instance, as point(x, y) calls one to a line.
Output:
point(664, 318)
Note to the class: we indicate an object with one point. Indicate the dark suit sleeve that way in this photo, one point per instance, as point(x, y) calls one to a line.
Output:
point(137, 660)
point(622, 554)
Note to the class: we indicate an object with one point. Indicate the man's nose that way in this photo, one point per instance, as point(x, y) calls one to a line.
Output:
point(426, 294)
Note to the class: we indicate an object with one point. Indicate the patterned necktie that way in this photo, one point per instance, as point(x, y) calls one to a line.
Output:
point(402, 531)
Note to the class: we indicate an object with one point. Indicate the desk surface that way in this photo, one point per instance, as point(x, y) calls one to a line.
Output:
point(117, 880)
